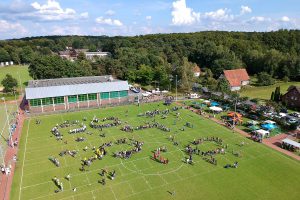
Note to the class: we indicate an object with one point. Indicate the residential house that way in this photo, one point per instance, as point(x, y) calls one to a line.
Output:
point(197, 71)
point(236, 78)
point(292, 97)
point(98, 54)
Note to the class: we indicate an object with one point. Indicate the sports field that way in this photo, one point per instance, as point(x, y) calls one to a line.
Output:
point(262, 173)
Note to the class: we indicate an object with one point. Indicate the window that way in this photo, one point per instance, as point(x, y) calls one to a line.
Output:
point(59, 100)
point(82, 97)
point(35, 102)
point(104, 95)
point(47, 101)
point(72, 99)
point(92, 97)
point(124, 93)
point(114, 95)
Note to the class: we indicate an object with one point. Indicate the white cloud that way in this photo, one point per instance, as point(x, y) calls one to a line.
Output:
point(148, 17)
point(66, 30)
point(84, 15)
point(182, 15)
point(260, 19)
point(51, 11)
point(11, 27)
point(218, 15)
point(110, 12)
point(245, 10)
point(285, 19)
point(108, 21)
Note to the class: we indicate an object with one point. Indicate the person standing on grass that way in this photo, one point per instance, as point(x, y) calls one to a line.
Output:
point(68, 177)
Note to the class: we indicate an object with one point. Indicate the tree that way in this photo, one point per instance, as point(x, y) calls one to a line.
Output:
point(81, 56)
point(26, 54)
point(277, 94)
point(144, 75)
point(272, 96)
point(9, 83)
point(264, 79)
point(223, 85)
point(4, 55)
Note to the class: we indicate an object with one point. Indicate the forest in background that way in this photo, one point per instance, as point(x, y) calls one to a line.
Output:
point(160, 57)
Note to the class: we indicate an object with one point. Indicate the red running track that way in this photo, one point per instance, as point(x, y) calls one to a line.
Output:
point(6, 180)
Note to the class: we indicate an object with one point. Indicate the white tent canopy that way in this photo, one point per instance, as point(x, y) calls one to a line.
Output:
point(282, 114)
point(291, 142)
point(253, 122)
point(262, 132)
point(146, 94)
point(217, 109)
point(206, 101)
point(269, 122)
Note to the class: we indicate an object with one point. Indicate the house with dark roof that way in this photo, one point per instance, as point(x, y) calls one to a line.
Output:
point(292, 97)
point(236, 78)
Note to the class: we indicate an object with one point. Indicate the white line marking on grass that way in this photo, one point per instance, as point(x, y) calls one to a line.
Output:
point(4, 126)
point(147, 183)
point(21, 182)
point(131, 187)
point(113, 193)
point(87, 178)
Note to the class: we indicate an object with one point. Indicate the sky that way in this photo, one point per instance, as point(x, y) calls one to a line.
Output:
point(25, 18)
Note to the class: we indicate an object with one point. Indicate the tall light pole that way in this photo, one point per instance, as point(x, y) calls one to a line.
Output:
point(176, 86)
point(20, 83)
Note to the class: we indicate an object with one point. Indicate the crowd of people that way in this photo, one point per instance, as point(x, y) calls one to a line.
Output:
point(192, 149)
point(78, 130)
point(55, 161)
point(157, 156)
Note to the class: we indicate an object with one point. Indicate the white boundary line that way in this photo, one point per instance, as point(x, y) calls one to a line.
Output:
point(129, 173)
point(21, 182)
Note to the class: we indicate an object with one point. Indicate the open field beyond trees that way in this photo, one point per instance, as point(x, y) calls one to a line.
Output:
point(262, 172)
point(264, 92)
point(15, 71)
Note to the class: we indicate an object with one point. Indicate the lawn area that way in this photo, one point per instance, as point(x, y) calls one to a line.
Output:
point(262, 173)
point(15, 71)
point(264, 92)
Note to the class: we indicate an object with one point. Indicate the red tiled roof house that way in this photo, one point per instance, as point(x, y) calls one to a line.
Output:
point(237, 78)
point(197, 71)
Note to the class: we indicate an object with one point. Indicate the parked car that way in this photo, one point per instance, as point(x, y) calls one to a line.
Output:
point(254, 117)
point(292, 121)
point(295, 114)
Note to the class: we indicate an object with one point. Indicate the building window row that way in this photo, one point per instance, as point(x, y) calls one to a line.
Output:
point(76, 98)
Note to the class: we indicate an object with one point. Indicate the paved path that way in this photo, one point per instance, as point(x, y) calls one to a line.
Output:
point(273, 142)
point(6, 180)
point(270, 142)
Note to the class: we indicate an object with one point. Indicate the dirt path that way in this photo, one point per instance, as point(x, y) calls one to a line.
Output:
point(272, 142)
point(6, 180)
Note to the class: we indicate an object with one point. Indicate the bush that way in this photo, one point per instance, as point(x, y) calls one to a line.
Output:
point(285, 79)
point(264, 79)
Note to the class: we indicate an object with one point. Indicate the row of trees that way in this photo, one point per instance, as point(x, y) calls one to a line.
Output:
point(149, 58)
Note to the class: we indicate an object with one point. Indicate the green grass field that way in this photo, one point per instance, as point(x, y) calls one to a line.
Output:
point(15, 71)
point(264, 92)
point(262, 173)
